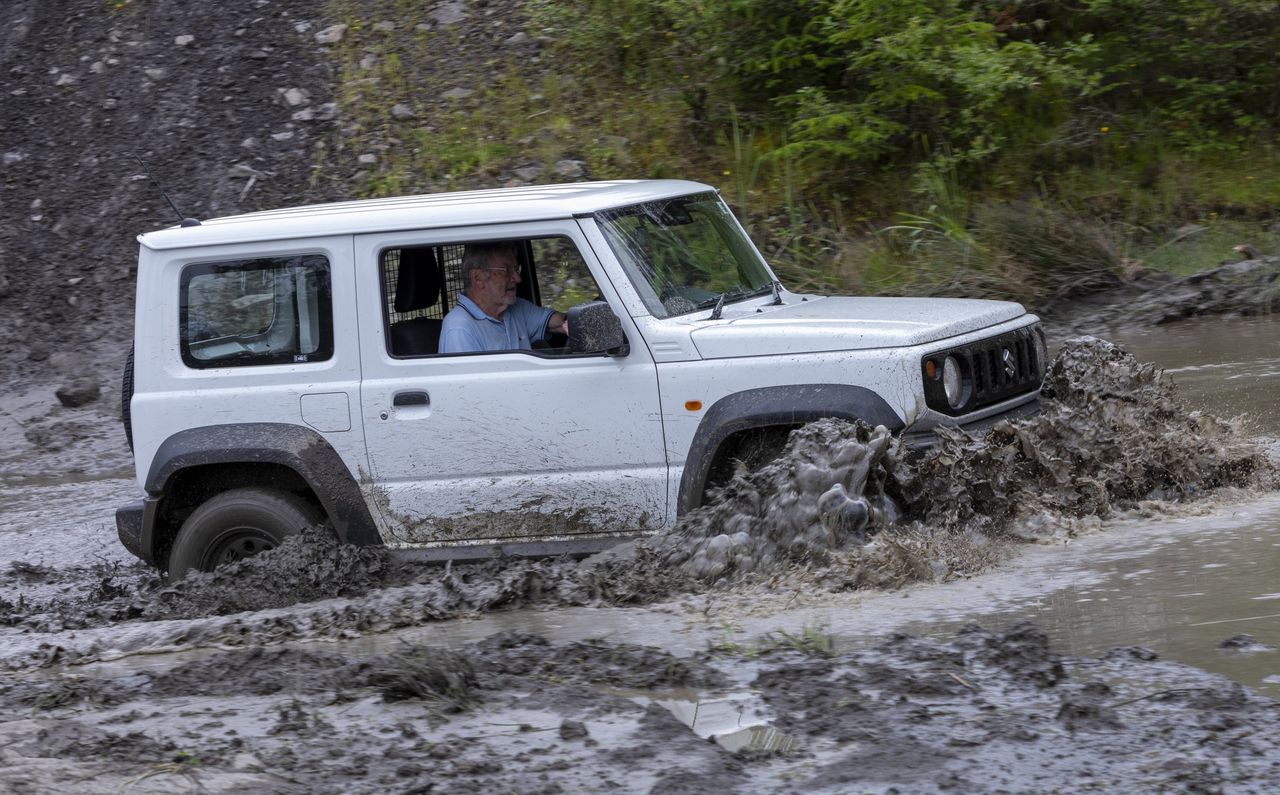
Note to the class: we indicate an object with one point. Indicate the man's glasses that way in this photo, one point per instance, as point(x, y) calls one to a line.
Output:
point(509, 271)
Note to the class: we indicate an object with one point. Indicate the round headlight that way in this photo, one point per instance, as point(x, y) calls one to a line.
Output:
point(951, 381)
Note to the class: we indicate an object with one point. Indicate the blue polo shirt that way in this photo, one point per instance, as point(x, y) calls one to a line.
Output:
point(468, 329)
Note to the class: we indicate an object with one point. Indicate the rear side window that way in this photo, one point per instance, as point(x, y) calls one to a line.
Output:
point(273, 310)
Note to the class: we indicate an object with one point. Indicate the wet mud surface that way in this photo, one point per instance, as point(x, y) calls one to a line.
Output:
point(982, 712)
point(257, 678)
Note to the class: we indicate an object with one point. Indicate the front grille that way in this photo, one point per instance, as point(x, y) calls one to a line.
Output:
point(992, 370)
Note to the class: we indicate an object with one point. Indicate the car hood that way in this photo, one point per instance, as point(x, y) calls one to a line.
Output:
point(843, 323)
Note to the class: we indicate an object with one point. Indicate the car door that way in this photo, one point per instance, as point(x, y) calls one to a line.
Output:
point(514, 445)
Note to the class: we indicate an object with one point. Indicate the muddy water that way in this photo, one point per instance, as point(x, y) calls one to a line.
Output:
point(1183, 586)
point(1179, 586)
point(1229, 367)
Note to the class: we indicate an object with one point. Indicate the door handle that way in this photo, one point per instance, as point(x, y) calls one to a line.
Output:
point(417, 398)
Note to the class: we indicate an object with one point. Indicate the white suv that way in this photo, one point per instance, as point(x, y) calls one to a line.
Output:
point(286, 371)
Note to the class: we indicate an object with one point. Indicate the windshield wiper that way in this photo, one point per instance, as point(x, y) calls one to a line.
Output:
point(773, 288)
point(717, 303)
point(719, 307)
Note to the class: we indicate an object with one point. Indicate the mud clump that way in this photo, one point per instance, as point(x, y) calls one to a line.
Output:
point(441, 677)
point(594, 661)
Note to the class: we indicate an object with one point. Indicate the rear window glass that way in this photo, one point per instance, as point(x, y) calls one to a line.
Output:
point(274, 310)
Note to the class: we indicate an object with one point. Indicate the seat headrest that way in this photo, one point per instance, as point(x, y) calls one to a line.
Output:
point(418, 283)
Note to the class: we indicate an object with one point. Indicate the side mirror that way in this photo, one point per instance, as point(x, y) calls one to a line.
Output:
point(594, 328)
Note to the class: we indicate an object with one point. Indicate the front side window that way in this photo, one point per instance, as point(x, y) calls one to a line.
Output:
point(271, 310)
point(423, 285)
point(684, 254)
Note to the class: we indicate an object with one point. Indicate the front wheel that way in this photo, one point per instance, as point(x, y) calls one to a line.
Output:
point(238, 524)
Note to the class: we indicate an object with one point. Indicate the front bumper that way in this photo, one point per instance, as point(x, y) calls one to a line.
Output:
point(923, 440)
point(135, 524)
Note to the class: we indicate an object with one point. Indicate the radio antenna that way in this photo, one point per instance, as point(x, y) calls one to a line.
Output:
point(182, 219)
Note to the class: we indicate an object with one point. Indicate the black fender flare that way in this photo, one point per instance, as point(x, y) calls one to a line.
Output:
point(297, 447)
point(793, 404)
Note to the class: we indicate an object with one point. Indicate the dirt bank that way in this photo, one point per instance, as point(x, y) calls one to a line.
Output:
point(201, 95)
point(1246, 288)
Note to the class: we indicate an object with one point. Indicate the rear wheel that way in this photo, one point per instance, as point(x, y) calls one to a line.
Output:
point(238, 524)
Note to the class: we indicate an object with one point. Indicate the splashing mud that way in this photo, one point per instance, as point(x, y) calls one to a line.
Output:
point(843, 507)
point(1112, 434)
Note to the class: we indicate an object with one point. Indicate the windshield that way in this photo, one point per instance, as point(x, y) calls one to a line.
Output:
point(683, 254)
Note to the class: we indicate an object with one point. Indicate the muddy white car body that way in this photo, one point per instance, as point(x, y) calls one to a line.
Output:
point(292, 354)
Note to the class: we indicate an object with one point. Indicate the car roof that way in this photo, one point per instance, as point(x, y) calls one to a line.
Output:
point(430, 211)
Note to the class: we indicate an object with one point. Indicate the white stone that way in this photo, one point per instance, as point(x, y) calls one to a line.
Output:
point(458, 93)
point(331, 35)
point(67, 79)
point(570, 169)
point(449, 13)
point(367, 159)
point(282, 136)
point(402, 111)
point(243, 171)
point(183, 40)
point(294, 97)
point(386, 26)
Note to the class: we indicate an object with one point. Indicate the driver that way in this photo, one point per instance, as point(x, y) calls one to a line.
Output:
point(489, 316)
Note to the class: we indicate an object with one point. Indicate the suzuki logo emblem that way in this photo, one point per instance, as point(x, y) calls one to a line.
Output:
point(1009, 367)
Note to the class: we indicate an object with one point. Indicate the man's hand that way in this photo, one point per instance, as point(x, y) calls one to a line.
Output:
point(559, 323)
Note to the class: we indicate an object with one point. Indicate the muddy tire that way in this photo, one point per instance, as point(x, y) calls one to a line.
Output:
point(126, 397)
point(238, 524)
